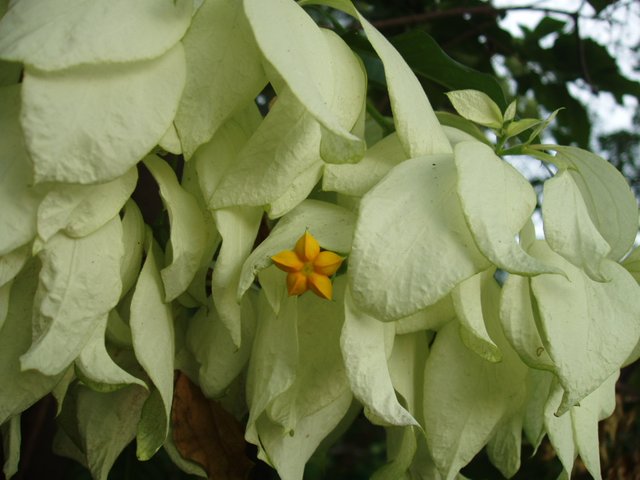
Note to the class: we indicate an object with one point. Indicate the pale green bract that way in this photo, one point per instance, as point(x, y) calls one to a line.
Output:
point(64, 33)
point(156, 156)
point(124, 111)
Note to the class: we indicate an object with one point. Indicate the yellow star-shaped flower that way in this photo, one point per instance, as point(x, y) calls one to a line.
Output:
point(308, 268)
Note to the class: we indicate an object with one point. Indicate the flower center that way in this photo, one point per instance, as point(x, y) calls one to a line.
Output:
point(307, 269)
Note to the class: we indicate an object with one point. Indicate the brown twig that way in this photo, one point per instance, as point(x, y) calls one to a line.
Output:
point(458, 11)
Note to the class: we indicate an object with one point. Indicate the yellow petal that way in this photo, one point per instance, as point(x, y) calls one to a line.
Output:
point(307, 247)
point(297, 283)
point(288, 261)
point(320, 285)
point(327, 263)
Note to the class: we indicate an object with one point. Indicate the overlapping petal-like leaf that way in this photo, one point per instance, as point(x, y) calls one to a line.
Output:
point(123, 112)
point(574, 323)
point(59, 34)
point(79, 210)
point(238, 227)
point(466, 397)
point(27, 386)
point(79, 283)
point(219, 35)
point(308, 67)
point(497, 202)
point(188, 231)
point(413, 115)
point(285, 145)
point(568, 227)
point(364, 342)
point(19, 200)
point(152, 332)
point(604, 190)
point(411, 245)
point(97, 368)
point(213, 347)
point(105, 424)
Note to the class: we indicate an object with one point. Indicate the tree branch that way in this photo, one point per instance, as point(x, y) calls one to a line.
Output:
point(489, 10)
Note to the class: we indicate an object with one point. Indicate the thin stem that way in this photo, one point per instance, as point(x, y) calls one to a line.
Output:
point(386, 124)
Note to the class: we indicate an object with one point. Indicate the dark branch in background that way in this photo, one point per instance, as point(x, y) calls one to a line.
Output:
point(582, 57)
point(490, 10)
point(471, 33)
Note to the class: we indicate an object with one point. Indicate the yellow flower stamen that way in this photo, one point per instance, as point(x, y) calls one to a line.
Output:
point(308, 268)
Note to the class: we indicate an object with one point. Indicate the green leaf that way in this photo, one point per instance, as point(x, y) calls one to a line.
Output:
point(11, 264)
point(63, 33)
point(124, 111)
point(133, 232)
point(519, 126)
point(330, 224)
point(497, 202)
point(96, 367)
point(575, 326)
point(18, 198)
point(79, 283)
point(106, 423)
point(364, 343)
point(27, 386)
point(427, 59)
point(10, 73)
point(542, 125)
point(604, 190)
point(5, 292)
point(152, 429)
point(477, 107)
point(79, 210)
point(152, 331)
point(631, 263)
point(461, 128)
point(411, 245)
point(188, 230)
point(11, 439)
point(238, 227)
point(308, 67)
point(404, 451)
point(219, 35)
point(568, 228)
point(510, 112)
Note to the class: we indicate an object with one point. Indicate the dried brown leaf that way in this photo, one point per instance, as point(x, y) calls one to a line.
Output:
point(205, 433)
